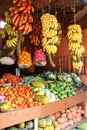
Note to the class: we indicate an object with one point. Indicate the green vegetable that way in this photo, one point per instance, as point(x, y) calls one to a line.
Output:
point(12, 128)
point(48, 120)
point(29, 124)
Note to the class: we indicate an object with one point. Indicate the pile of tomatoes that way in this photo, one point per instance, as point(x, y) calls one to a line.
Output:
point(10, 78)
point(19, 96)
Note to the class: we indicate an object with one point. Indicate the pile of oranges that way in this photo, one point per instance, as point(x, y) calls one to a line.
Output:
point(24, 59)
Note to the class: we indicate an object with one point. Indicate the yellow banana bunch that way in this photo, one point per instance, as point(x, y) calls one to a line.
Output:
point(11, 42)
point(79, 51)
point(50, 49)
point(77, 65)
point(51, 31)
point(75, 33)
point(12, 35)
point(75, 39)
point(73, 46)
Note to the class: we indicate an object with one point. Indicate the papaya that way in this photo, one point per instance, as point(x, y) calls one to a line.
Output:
point(42, 123)
point(42, 99)
point(21, 125)
point(37, 84)
point(5, 106)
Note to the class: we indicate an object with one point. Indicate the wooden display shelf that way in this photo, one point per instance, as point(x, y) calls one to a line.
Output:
point(17, 116)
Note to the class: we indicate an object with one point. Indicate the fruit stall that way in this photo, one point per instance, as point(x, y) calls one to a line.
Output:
point(43, 65)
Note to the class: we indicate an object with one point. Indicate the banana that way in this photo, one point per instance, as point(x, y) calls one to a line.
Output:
point(77, 65)
point(79, 51)
point(51, 32)
point(75, 39)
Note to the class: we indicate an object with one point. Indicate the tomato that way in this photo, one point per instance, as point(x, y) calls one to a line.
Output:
point(31, 104)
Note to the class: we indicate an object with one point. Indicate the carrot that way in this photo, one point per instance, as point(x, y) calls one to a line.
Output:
point(16, 23)
point(14, 28)
point(18, 4)
point(24, 0)
point(15, 1)
point(25, 3)
point(22, 8)
point(30, 19)
point(12, 14)
point(15, 17)
point(12, 8)
point(27, 26)
point(22, 27)
point(25, 11)
point(16, 11)
point(32, 9)
point(30, 28)
point(20, 23)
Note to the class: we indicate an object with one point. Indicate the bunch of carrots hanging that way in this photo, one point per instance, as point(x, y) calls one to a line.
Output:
point(21, 14)
point(36, 35)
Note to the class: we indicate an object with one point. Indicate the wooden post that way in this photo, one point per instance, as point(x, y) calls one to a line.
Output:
point(36, 124)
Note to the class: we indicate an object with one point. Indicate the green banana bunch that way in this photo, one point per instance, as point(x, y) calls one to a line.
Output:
point(11, 42)
point(12, 35)
point(2, 33)
point(8, 17)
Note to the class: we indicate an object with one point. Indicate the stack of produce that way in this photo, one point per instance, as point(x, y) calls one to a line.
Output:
point(68, 117)
point(46, 123)
point(38, 90)
point(61, 89)
point(18, 97)
point(12, 36)
point(28, 125)
point(6, 60)
point(35, 36)
point(39, 58)
point(75, 39)
point(24, 59)
point(10, 79)
point(51, 33)
point(21, 15)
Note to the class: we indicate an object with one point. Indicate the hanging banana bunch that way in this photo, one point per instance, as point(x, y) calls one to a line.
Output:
point(75, 39)
point(51, 32)
point(11, 42)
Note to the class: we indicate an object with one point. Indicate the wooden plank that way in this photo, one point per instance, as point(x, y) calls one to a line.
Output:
point(17, 116)
point(62, 104)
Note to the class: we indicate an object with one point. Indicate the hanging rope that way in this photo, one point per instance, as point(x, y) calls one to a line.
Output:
point(55, 10)
point(74, 10)
point(49, 6)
